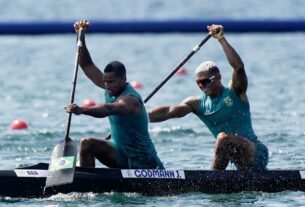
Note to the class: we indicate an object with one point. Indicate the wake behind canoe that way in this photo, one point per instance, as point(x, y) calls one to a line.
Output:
point(30, 181)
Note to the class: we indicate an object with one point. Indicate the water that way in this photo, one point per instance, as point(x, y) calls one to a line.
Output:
point(36, 75)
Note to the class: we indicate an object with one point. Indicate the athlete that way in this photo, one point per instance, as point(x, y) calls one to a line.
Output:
point(130, 145)
point(225, 110)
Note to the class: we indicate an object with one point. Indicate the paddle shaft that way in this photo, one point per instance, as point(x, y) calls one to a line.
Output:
point(185, 59)
point(79, 45)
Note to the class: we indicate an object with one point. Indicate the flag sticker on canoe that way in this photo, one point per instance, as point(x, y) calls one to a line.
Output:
point(62, 163)
point(153, 173)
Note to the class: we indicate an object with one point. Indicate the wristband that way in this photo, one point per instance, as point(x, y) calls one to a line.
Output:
point(219, 38)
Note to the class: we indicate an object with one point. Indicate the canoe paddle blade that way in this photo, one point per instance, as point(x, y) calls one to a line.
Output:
point(62, 163)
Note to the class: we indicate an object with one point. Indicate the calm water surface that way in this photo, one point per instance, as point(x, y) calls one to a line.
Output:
point(36, 75)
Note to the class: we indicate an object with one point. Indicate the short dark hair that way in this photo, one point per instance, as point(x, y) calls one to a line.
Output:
point(116, 67)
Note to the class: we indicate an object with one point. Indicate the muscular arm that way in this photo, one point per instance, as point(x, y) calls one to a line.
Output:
point(125, 105)
point(85, 61)
point(239, 82)
point(167, 112)
point(88, 66)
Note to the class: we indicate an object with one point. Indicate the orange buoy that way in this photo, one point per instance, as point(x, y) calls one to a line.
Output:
point(181, 71)
point(88, 102)
point(136, 84)
point(19, 124)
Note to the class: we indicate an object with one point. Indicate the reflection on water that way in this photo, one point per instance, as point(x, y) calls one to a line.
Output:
point(36, 74)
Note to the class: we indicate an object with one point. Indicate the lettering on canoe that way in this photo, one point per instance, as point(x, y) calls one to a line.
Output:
point(153, 173)
point(31, 173)
point(302, 174)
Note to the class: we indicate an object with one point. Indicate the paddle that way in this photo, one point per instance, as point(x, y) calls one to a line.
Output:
point(63, 159)
point(184, 60)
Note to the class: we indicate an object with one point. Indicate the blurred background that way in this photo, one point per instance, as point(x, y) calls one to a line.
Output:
point(36, 79)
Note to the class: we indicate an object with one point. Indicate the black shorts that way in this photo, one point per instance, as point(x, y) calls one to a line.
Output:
point(261, 157)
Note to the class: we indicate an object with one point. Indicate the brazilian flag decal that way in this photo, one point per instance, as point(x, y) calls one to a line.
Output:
point(62, 163)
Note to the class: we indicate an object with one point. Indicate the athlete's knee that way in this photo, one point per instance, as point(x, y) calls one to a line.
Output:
point(222, 138)
point(222, 141)
point(86, 143)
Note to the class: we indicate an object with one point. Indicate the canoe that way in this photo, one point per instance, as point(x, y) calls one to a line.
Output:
point(30, 181)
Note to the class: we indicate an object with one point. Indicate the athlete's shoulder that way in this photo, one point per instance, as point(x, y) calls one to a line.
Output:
point(191, 99)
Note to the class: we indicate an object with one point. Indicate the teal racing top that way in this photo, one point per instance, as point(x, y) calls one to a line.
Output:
point(226, 113)
point(130, 132)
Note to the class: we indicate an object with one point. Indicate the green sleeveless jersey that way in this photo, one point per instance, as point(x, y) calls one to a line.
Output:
point(130, 132)
point(226, 113)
